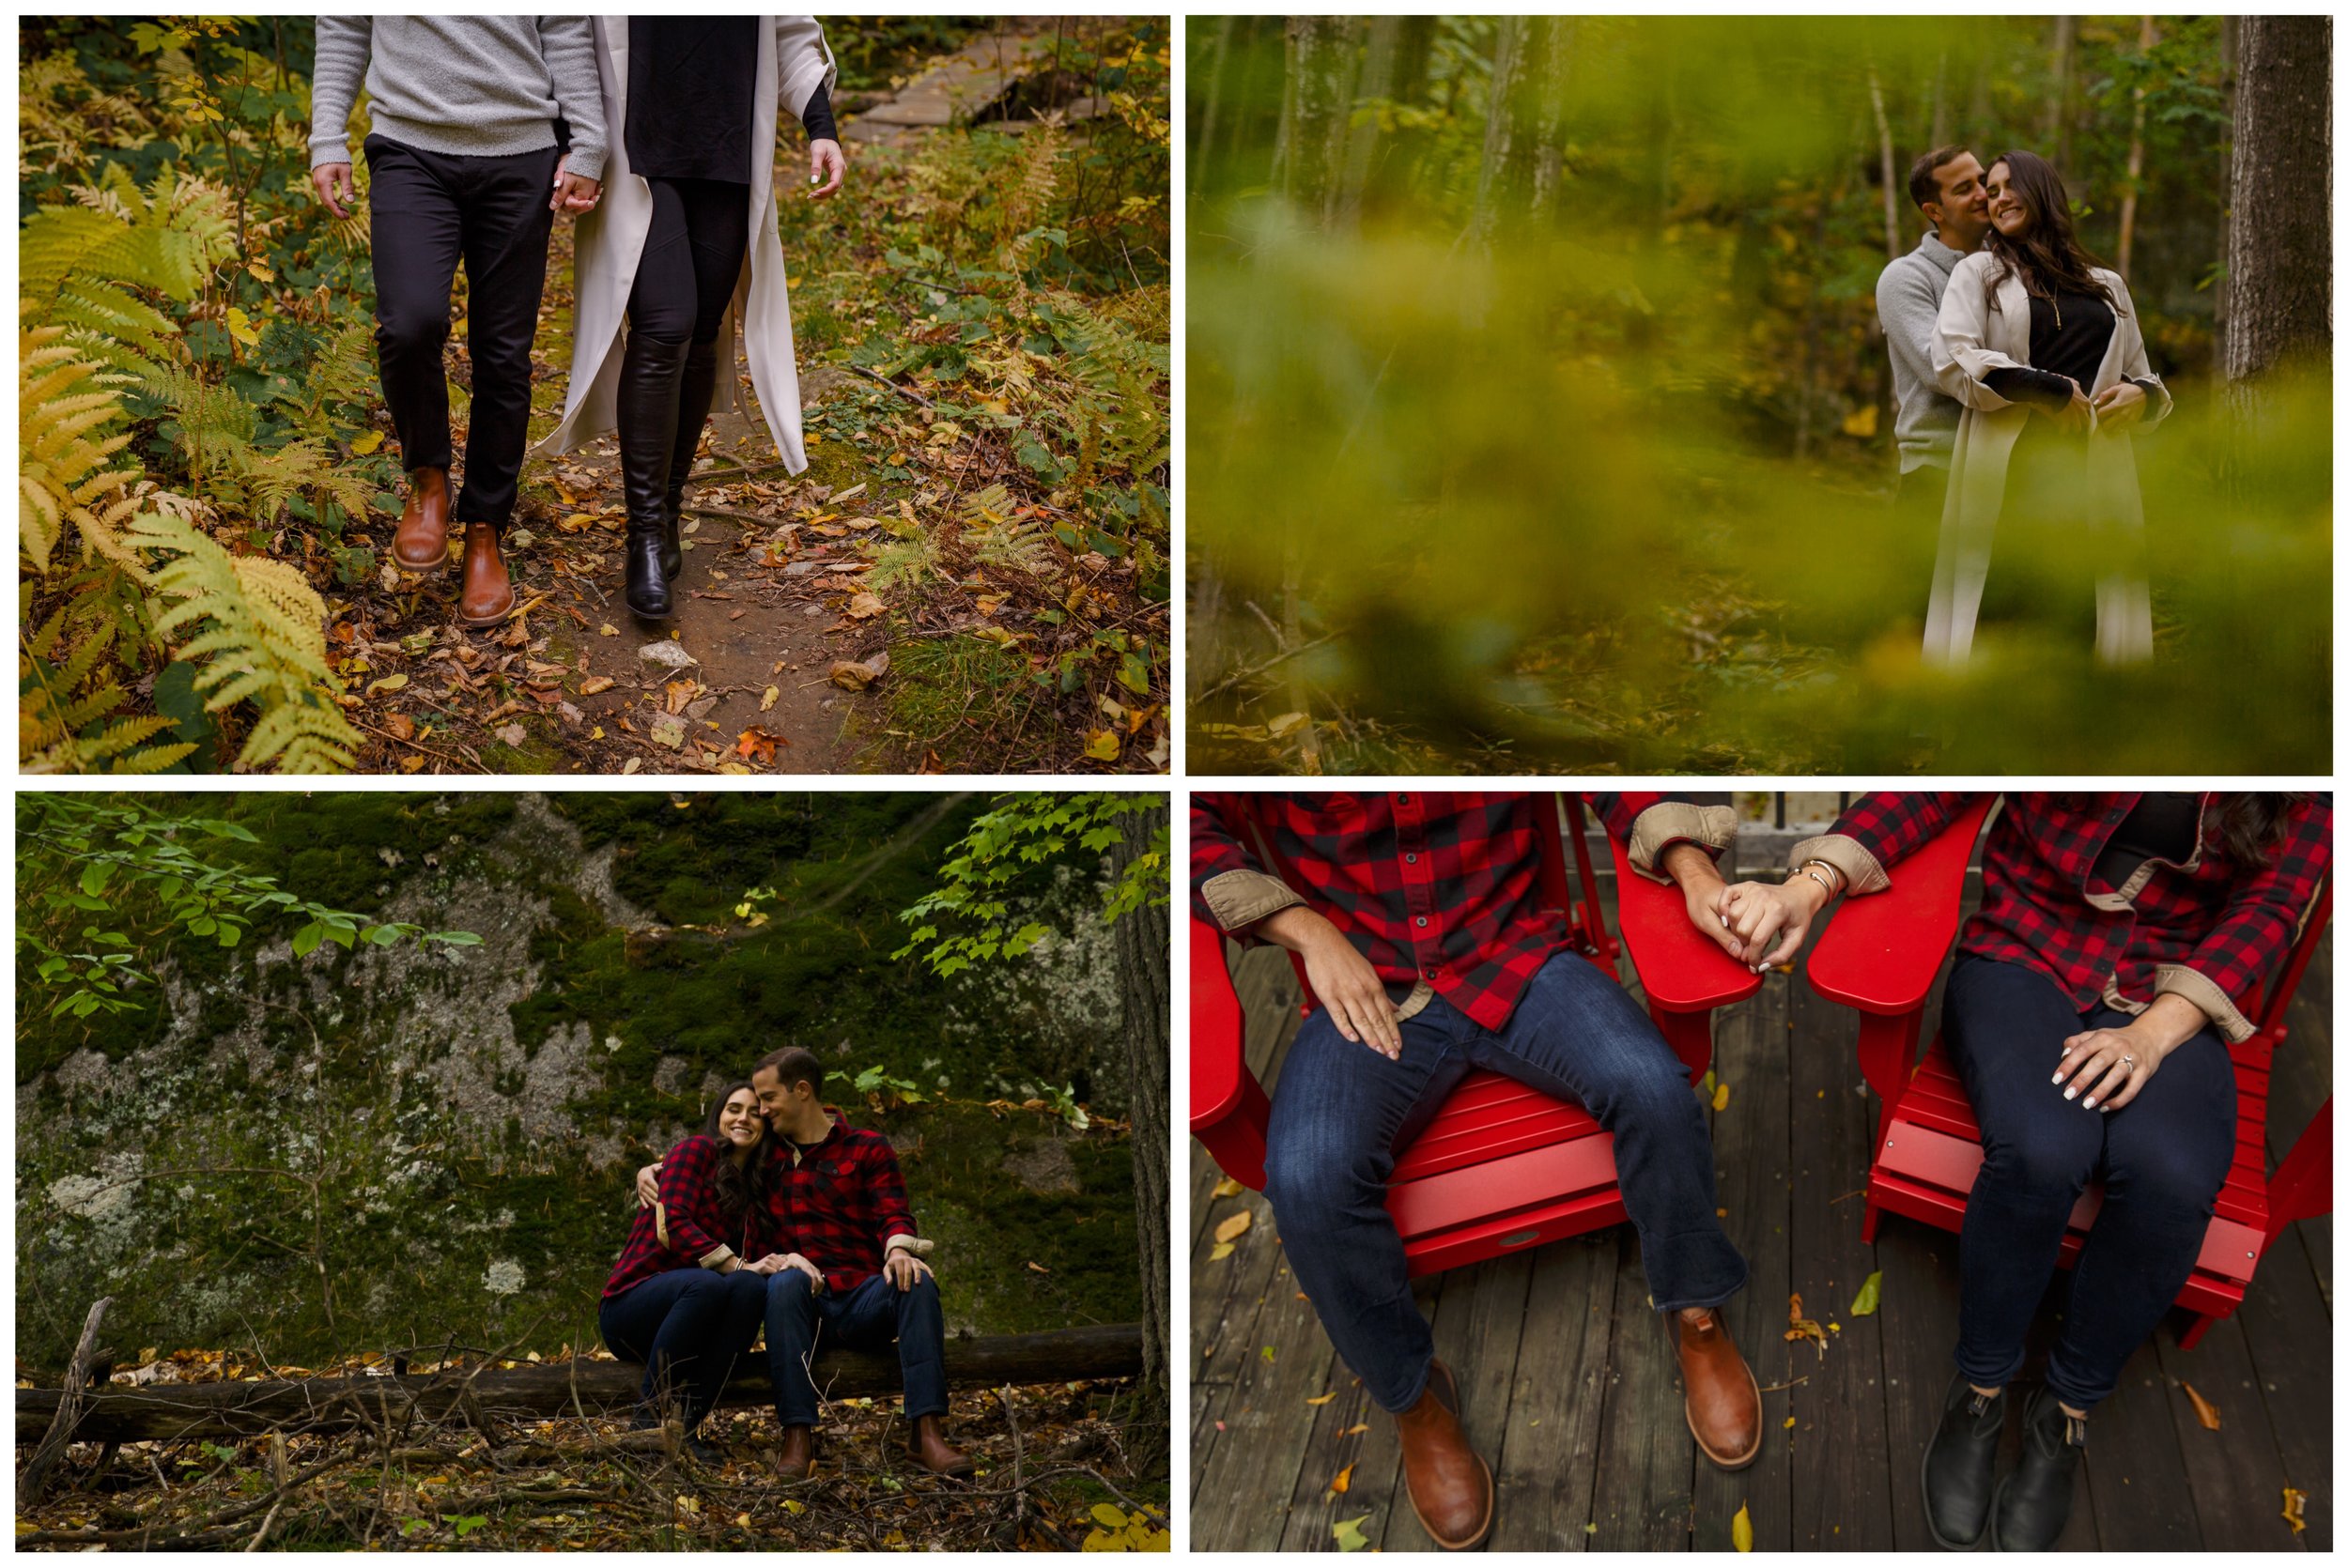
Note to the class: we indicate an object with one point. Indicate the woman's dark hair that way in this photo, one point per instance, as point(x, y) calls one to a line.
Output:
point(2047, 256)
point(737, 1186)
point(2249, 827)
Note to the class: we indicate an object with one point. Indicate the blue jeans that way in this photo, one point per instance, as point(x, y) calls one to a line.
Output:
point(1342, 1109)
point(866, 1318)
point(688, 1327)
point(2162, 1158)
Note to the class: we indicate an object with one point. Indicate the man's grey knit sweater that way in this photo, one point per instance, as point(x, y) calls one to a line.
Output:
point(472, 86)
point(1908, 301)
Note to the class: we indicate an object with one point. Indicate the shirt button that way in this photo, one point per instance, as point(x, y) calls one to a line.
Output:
point(1422, 919)
point(1402, 800)
point(1410, 860)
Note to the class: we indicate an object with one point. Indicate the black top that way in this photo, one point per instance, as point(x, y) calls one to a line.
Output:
point(690, 81)
point(2166, 824)
point(2069, 336)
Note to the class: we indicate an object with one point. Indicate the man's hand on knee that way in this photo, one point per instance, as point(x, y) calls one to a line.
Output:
point(1348, 986)
point(903, 1271)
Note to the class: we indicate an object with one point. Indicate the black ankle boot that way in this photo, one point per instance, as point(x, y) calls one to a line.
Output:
point(2035, 1503)
point(696, 389)
point(1960, 1464)
point(649, 375)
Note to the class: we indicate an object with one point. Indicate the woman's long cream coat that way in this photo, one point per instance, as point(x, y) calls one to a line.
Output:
point(1971, 340)
point(793, 61)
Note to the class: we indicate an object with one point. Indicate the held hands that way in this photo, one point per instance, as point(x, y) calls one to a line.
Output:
point(779, 1262)
point(1767, 922)
point(828, 163)
point(332, 181)
point(903, 1270)
point(2119, 406)
point(573, 194)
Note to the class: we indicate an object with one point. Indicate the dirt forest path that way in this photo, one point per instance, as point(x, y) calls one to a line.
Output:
point(760, 667)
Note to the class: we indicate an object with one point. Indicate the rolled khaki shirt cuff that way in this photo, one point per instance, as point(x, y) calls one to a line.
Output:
point(1671, 822)
point(905, 1240)
point(1240, 899)
point(719, 1257)
point(1862, 873)
point(2202, 991)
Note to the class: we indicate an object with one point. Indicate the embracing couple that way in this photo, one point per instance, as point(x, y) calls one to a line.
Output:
point(778, 1215)
point(657, 134)
point(2119, 945)
point(2020, 368)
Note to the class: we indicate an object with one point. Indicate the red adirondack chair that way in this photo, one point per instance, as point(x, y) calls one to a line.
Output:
point(1880, 955)
point(1501, 1166)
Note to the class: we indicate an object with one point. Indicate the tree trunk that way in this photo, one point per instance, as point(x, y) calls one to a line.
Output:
point(1217, 64)
point(2228, 73)
point(2145, 38)
point(2278, 241)
point(2066, 31)
point(1891, 181)
point(1523, 164)
point(1144, 941)
point(185, 1411)
point(1314, 101)
point(1940, 136)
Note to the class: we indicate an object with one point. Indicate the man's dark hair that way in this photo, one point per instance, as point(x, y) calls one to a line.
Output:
point(1924, 175)
point(794, 1065)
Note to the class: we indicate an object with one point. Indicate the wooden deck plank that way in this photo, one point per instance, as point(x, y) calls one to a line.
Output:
point(1559, 1394)
point(1751, 1139)
point(2138, 1491)
point(2284, 1316)
point(2236, 1473)
point(1918, 1311)
point(1645, 1492)
point(1841, 1493)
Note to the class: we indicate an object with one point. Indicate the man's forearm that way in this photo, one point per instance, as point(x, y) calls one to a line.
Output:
point(1295, 928)
point(1688, 865)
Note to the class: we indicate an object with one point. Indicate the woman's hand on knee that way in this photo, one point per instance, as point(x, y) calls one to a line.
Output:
point(2105, 1068)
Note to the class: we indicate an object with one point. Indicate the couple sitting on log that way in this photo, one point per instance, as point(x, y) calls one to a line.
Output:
point(778, 1215)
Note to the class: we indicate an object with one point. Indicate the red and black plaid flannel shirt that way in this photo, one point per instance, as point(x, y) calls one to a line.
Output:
point(2209, 930)
point(699, 1235)
point(1436, 887)
point(840, 1202)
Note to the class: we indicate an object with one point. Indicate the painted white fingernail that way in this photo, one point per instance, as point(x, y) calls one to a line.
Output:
point(2071, 1093)
point(2057, 1079)
point(2089, 1103)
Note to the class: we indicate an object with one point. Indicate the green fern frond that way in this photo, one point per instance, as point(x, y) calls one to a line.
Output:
point(259, 636)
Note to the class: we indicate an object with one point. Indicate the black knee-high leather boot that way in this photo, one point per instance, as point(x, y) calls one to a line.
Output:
point(697, 388)
point(649, 374)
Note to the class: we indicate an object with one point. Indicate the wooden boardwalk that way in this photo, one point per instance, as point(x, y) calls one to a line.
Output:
point(1571, 1391)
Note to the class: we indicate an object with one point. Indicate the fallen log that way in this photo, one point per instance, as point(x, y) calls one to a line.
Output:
point(117, 1413)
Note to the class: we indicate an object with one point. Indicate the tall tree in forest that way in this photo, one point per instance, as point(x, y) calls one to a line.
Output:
point(2279, 240)
point(978, 913)
point(1381, 149)
point(1314, 103)
point(2145, 38)
point(2065, 52)
point(1524, 165)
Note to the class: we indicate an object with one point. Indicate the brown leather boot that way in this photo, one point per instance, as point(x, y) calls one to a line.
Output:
point(1451, 1486)
point(421, 542)
point(1723, 1399)
point(488, 595)
point(929, 1449)
point(798, 1453)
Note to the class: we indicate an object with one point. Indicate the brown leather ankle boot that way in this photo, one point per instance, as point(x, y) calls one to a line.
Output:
point(488, 595)
point(1451, 1486)
point(929, 1450)
point(798, 1453)
point(1723, 1399)
point(421, 542)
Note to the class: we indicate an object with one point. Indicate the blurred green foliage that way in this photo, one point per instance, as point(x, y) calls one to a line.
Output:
point(1608, 487)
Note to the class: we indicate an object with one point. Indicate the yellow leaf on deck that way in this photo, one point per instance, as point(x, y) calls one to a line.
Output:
point(1740, 1528)
point(1344, 1481)
point(1235, 1226)
point(1228, 1188)
point(1320, 1398)
point(2294, 1503)
point(2203, 1411)
point(1222, 1250)
point(1720, 1097)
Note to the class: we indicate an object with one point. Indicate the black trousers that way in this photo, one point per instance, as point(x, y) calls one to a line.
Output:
point(701, 230)
point(428, 211)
